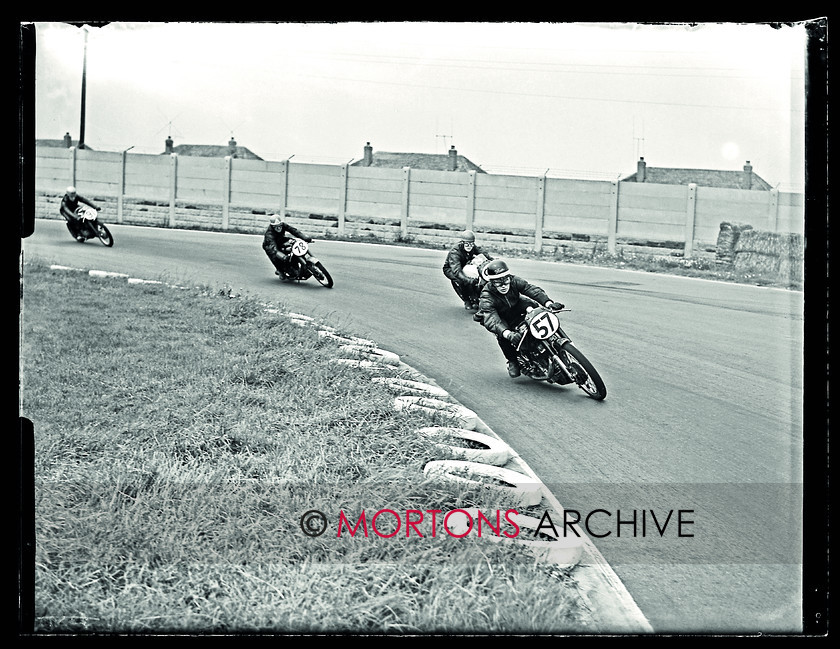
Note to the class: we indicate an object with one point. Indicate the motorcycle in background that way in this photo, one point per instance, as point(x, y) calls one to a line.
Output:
point(302, 265)
point(473, 270)
point(89, 226)
point(546, 353)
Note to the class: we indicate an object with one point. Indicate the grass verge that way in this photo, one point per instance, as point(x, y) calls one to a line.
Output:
point(181, 434)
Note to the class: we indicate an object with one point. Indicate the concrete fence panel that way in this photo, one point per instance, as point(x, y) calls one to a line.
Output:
point(201, 179)
point(652, 212)
point(374, 193)
point(257, 183)
point(506, 202)
point(577, 206)
point(103, 168)
point(147, 177)
point(439, 197)
point(314, 188)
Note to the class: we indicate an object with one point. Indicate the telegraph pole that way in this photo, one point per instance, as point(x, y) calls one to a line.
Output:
point(84, 84)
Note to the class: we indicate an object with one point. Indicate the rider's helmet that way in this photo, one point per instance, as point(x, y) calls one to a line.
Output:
point(71, 191)
point(468, 240)
point(276, 221)
point(498, 274)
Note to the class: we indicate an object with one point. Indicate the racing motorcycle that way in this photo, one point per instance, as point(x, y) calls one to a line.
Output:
point(89, 226)
point(546, 353)
point(302, 265)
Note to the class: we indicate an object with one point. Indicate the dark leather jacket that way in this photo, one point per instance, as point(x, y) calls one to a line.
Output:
point(276, 236)
point(69, 205)
point(457, 258)
point(500, 312)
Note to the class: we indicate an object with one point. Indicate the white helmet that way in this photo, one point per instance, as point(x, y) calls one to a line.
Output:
point(71, 191)
point(276, 220)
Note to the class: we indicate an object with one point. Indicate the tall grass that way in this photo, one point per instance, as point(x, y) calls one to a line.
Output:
point(181, 434)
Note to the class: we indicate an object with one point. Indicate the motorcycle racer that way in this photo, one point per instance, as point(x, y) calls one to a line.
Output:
point(69, 204)
point(277, 243)
point(453, 268)
point(502, 305)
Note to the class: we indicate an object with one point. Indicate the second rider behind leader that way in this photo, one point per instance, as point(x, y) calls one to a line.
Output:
point(453, 268)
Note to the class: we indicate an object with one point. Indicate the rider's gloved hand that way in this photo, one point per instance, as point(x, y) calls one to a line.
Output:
point(513, 337)
point(555, 306)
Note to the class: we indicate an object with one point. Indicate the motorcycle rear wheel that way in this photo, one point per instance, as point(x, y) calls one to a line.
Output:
point(587, 378)
point(321, 275)
point(104, 234)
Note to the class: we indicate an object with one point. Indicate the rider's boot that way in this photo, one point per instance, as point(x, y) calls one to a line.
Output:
point(513, 369)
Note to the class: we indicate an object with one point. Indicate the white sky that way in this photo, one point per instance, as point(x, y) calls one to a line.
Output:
point(572, 98)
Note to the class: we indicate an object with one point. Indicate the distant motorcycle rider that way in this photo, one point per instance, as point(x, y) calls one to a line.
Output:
point(277, 244)
point(69, 204)
point(503, 302)
point(453, 268)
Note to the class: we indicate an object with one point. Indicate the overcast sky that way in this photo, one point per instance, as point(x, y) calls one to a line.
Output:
point(578, 99)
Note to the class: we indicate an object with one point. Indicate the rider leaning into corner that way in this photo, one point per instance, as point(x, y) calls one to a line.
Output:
point(277, 243)
point(453, 268)
point(69, 203)
point(502, 306)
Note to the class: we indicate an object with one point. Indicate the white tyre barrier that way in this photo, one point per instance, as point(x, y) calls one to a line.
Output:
point(346, 339)
point(105, 273)
point(416, 387)
point(373, 353)
point(465, 417)
point(520, 488)
point(495, 451)
point(556, 547)
point(360, 363)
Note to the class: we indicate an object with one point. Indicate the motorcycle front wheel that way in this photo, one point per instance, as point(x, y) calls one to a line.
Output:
point(585, 374)
point(104, 234)
point(321, 275)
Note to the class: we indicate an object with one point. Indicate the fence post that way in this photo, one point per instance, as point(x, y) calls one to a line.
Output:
point(540, 216)
point(773, 209)
point(690, 213)
point(342, 198)
point(284, 186)
point(405, 200)
point(72, 151)
point(226, 192)
point(612, 221)
point(470, 216)
point(173, 186)
point(121, 190)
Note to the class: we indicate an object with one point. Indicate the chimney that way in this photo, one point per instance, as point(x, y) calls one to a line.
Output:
point(641, 170)
point(169, 144)
point(68, 141)
point(368, 155)
point(748, 175)
point(453, 158)
point(232, 147)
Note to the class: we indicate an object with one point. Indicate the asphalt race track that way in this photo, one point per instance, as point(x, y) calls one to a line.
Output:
point(690, 471)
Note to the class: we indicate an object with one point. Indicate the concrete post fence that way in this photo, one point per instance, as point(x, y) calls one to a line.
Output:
point(534, 211)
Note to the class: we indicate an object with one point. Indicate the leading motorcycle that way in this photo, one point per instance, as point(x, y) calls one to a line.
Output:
point(89, 226)
point(546, 353)
point(302, 265)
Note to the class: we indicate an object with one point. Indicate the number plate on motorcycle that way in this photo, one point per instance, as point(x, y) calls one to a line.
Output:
point(300, 247)
point(543, 325)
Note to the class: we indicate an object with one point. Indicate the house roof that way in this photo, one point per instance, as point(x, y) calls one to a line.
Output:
point(60, 144)
point(432, 161)
point(213, 151)
point(741, 179)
